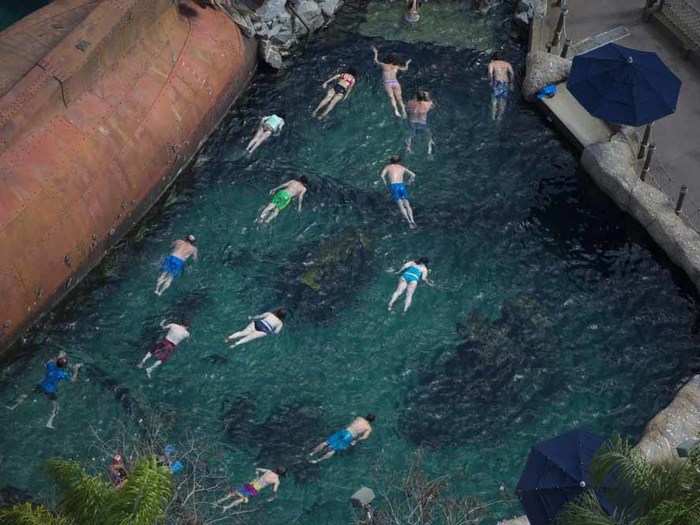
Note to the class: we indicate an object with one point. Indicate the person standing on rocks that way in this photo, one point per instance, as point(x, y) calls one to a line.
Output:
point(501, 76)
point(339, 90)
point(393, 176)
point(165, 348)
point(174, 264)
point(270, 125)
point(411, 274)
point(56, 371)
point(282, 196)
point(418, 109)
point(390, 69)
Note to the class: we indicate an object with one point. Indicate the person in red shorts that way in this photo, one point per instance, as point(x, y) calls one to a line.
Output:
point(166, 346)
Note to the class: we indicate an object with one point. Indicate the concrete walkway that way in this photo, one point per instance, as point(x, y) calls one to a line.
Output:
point(677, 159)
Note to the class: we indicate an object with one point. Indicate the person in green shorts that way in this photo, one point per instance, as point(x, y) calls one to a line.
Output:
point(282, 196)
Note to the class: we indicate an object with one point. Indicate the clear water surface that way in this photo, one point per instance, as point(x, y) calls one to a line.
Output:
point(552, 308)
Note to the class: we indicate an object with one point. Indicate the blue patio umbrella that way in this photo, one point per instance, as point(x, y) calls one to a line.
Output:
point(624, 86)
point(556, 473)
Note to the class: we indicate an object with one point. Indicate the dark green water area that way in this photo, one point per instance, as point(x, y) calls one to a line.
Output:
point(13, 10)
point(552, 308)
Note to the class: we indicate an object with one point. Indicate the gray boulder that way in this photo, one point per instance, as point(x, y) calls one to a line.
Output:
point(329, 7)
point(310, 12)
point(542, 69)
point(271, 54)
point(676, 423)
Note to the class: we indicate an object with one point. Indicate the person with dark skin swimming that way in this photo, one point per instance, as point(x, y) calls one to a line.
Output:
point(343, 84)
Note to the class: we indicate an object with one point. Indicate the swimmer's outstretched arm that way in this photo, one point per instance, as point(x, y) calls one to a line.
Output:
point(376, 57)
point(334, 77)
point(281, 186)
point(195, 254)
point(383, 175)
point(405, 66)
point(347, 93)
point(301, 198)
point(404, 267)
point(426, 280)
point(76, 370)
point(411, 175)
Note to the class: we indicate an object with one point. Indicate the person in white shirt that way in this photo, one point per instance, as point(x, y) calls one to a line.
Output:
point(270, 125)
point(165, 347)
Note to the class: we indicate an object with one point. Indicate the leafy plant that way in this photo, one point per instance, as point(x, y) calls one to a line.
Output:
point(643, 493)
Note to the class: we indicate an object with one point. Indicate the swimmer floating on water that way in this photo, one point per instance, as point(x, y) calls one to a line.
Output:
point(174, 264)
point(392, 175)
point(418, 109)
point(411, 273)
point(268, 323)
point(501, 77)
point(56, 371)
point(282, 196)
point(390, 69)
point(265, 478)
point(359, 430)
point(165, 348)
point(412, 16)
point(340, 90)
point(270, 125)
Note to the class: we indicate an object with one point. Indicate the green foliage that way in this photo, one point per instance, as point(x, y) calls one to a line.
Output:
point(665, 493)
point(88, 500)
point(28, 514)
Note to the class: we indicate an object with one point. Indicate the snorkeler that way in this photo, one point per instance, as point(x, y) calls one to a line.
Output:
point(174, 264)
point(418, 109)
point(392, 175)
point(412, 16)
point(268, 323)
point(411, 273)
point(358, 430)
point(264, 478)
point(501, 77)
point(390, 69)
point(340, 90)
point(282, 196)
point(55, 373)
point(270, 125)
point(165, 348)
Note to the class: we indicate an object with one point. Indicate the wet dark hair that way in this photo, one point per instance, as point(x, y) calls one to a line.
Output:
point(370, 417)
point(191, 239)
point(422, 95)
point(496, 56)
point(303, 180)
point(351, 71)
point(423, 260)
point(395, 159)
point(62, 362)
point(281, 471)
point(393, 58)
point(280, 312)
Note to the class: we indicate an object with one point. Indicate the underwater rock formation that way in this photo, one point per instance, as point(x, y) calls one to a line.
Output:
point(495, 373)
point(319, 279)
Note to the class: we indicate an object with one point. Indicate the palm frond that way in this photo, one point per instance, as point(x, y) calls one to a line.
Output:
point(586, 510)
point(29, 514)
point(84, 497)
point(144, 497)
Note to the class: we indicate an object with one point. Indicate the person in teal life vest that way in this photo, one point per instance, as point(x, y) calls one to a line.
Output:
point(411, 273)
point(270, 125)
point(56, 371)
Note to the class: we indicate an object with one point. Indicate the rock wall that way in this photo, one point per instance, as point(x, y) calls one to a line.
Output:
point(676, 423)
point(280, 25)
point(542, 69)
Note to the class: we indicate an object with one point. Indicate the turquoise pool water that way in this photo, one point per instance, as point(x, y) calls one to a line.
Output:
point(552, 309)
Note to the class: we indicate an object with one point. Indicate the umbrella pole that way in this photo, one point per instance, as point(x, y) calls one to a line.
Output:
point(645, 142)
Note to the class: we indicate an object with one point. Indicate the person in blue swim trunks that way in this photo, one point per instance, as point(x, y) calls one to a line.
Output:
point(359, 430)
point(57, 370)
point(174, 264)
point(393, 176)
point(411, 273)
point(501, 76)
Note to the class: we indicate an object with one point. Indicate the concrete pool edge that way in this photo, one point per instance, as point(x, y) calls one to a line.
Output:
point(97, 130)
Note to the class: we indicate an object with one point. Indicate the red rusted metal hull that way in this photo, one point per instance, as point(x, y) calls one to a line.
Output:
point(96, 129)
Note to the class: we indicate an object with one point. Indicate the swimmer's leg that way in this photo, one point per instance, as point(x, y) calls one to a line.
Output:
point(248, 338)
point(326, 100)
point(238, 501)
point(151, 368)
point(402, 208)
point(397, 293)
point(19, 401)
point(494, 108)
point(254, 140)
point(399, 99)
point(502, 103)
point(161, 281)
point(263, 137)
point(273, 215)
point(167, 281)
point(409, 212)
point(409, 295)
point(54, 413)
point(242, 333)
point(333, 102)
point(143, 361)
point(431, 142)
point(263, 214)
point(327, 455)
point(225, 498)
point(390, 94)
point(321, 447)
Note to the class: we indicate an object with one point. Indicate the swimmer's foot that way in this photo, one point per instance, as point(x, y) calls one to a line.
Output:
point(148, 373)
point(412, 225)
point(397, 114)
point(50, 425)
point(140, 365)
